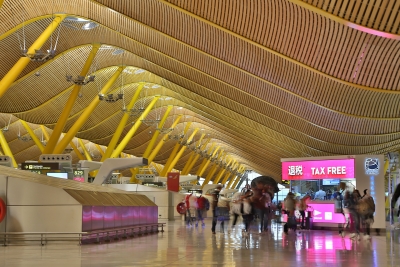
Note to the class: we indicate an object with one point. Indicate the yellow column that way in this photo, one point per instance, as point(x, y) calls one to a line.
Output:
point(33, 135)
point(99, 149)
point(180, 153)
point(76, 150)
point(134, 128)
point(231, 180)
point(236, 182)
point(226, 178)
point(6, 149)
point(196, 157)
point(133, 179)
point(20, 65)
point(86, 114)
point(173, 153)
point(238, 178)
point(85, 151)
point(117, 134)
point(62, 120)
point(157, 133)
point(205, 159)
point(209, 175)
point(222, 171)
point(212, 171)
point(207, 162)
point(229, 174)
point(192, 154)
point(162, 142)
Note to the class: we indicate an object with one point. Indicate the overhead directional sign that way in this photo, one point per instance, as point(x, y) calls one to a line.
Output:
point(40, 166)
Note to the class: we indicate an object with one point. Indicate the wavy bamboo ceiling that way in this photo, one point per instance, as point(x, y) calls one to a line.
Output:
point(263, 79)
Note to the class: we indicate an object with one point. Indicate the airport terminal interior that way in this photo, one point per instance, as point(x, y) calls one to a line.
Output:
point(123, 123)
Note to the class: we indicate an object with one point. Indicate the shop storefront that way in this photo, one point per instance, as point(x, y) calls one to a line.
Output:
point(321, 177)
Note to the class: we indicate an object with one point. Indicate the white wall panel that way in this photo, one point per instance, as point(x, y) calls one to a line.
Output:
point(44, 219)
point(22, 192)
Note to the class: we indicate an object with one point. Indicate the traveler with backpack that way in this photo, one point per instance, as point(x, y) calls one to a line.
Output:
point(290, 204)
point(366, 210)
point(202, 205)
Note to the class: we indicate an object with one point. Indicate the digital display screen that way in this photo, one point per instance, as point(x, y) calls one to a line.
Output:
point(330, 181)
point(62, 175)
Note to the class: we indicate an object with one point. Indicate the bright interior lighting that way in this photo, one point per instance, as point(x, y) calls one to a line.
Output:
point(138, 71)
point(89, 26)
point(76, 19)
point(155, 86)
point(117, 52)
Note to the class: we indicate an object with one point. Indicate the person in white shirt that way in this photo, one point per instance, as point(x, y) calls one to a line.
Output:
point(320, 195)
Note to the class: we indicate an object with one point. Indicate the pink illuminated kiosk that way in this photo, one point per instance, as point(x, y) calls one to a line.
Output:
point(309, 175)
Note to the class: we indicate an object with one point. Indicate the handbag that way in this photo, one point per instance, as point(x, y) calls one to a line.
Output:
point(222, 213)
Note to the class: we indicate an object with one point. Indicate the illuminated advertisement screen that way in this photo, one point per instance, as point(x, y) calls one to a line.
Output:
point(326, 213)
point(318, 169)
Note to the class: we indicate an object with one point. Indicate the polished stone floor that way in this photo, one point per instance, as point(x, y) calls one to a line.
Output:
point(190, 246)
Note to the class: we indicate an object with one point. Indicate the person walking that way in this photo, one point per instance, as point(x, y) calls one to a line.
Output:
point(214, 205)
point(261, 200)
point(302, 209)
point(202, 204)
point(290, 204)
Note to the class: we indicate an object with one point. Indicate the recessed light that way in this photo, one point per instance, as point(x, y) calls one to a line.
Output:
point(118, 52)
point(138, 71)
point(155, 86)
point(89, 26)
point(76, 19)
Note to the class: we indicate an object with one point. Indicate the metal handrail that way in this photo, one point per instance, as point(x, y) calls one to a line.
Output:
point(42, 235)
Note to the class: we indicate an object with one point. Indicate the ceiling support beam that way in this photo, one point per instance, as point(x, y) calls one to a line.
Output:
point(117, 134)
point(213, 168)
point(76, 150)
point(134, 128)
point(186, 169)
point(229, 173)
point(84, 116)
point(221, 172)
point(99, 149)
point(231, 180)
point(196, 158)
point(206, 161)
point(6, 149)
point(174, 151)
point(153, 140)
point(180, 153)
point(226, 178)
point(62, 120)
point(238, 178)
point(20, 65)
point(33, 135)
point(85, 151)
point(162, 142)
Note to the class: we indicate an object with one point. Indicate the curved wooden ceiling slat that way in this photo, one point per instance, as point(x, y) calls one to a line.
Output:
point(269, 79)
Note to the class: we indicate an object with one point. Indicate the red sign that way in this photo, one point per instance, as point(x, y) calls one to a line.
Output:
point(173, 181)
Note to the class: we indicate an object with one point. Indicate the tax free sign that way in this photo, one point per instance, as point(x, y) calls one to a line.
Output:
point(318, 169)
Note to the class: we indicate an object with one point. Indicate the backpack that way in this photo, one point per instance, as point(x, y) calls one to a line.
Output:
point(206, 203)
point(203, 203)
point(366, 205)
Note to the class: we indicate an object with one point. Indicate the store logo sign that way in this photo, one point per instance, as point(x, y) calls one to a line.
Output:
point(371, 166)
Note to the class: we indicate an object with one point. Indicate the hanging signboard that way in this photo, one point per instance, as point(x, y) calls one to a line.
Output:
point(318, 169)
point(173, 181)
